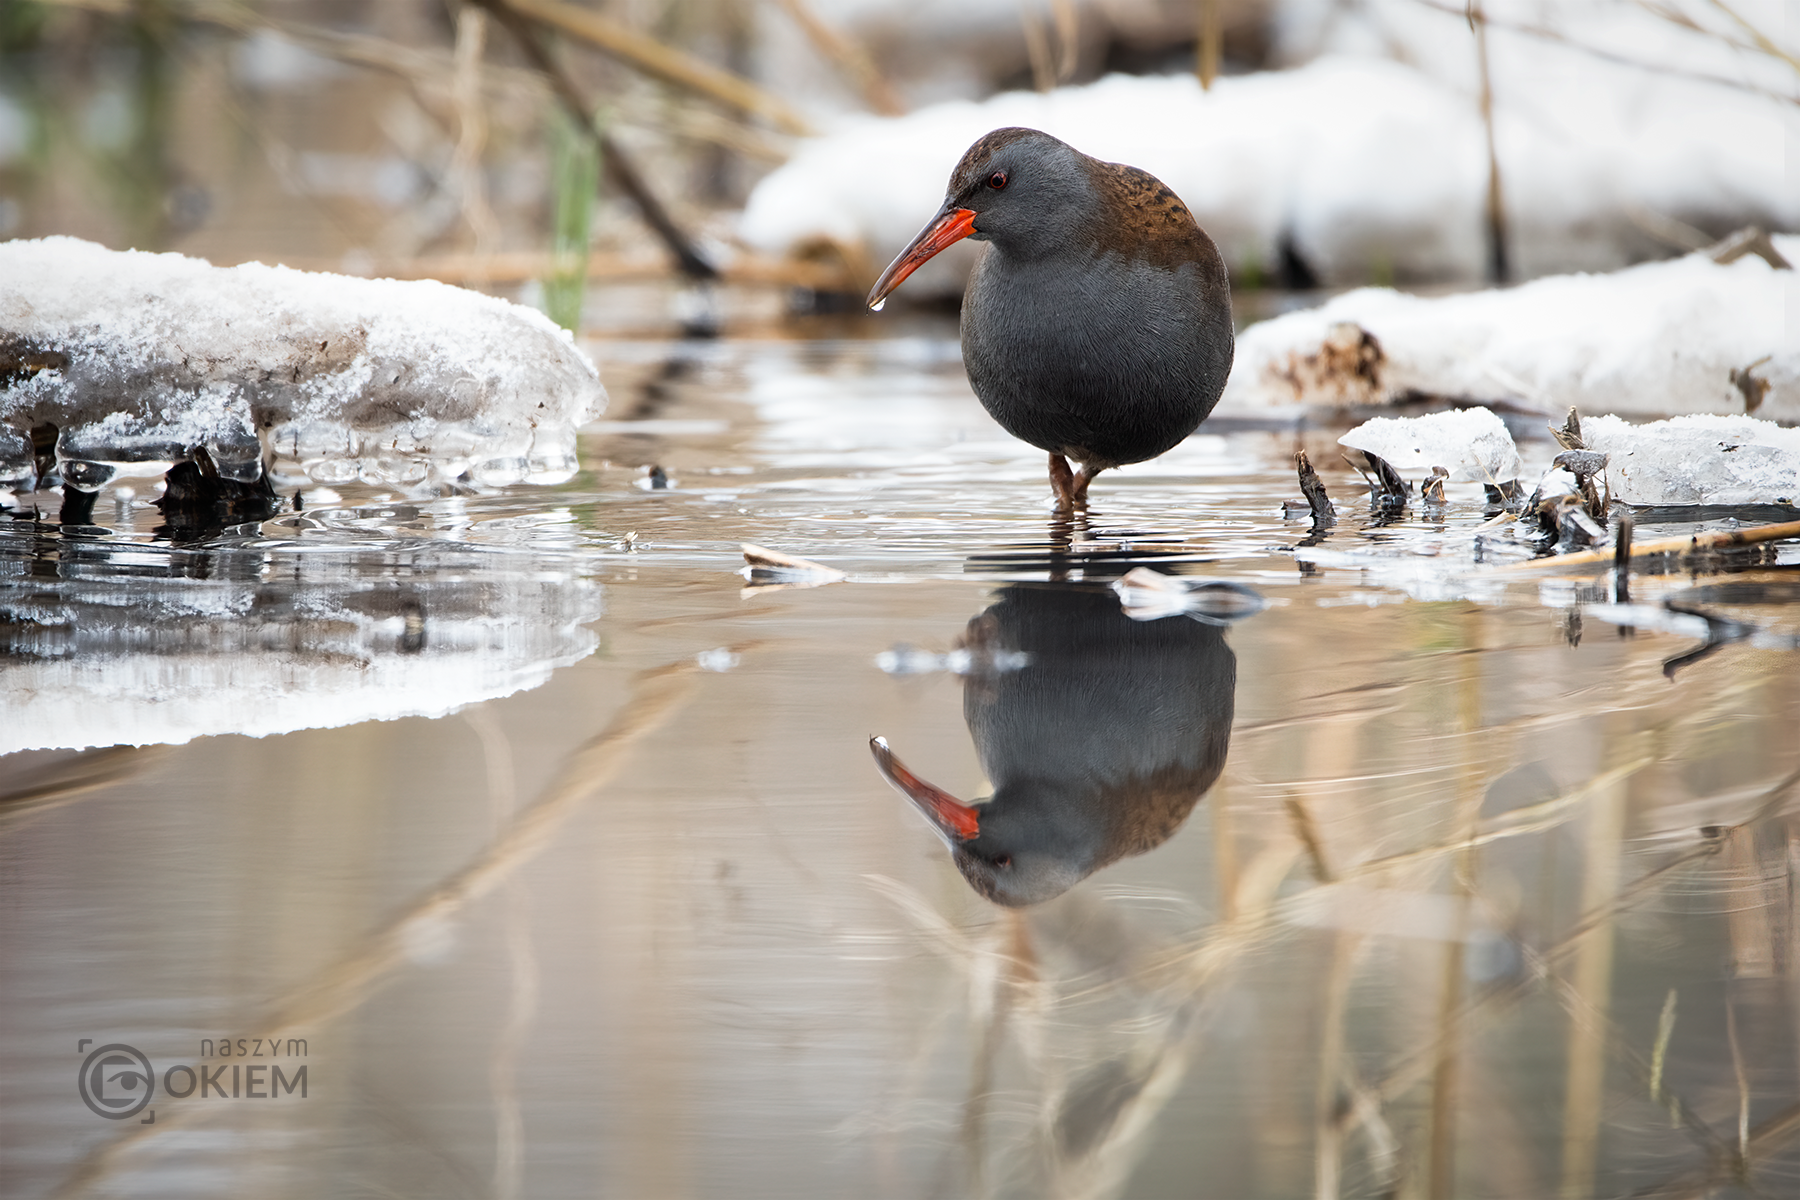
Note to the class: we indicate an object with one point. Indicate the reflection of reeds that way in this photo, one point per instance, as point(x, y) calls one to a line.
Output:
point(72, 779)
point(340, 987)
point(509, 1122)
point(1432, 958)
point(1591, 983)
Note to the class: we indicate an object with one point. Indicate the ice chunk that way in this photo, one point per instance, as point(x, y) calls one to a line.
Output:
point(1698, 460)
point(119, 648)
point(1470, 443)
point(139, 359)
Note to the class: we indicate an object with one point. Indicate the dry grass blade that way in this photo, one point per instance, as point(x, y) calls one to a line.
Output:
point(465, 174)
point(1532, 818)
point(1761, 40)
point(1209, 50)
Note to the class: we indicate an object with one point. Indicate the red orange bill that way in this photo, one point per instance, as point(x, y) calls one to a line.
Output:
point(949, 226)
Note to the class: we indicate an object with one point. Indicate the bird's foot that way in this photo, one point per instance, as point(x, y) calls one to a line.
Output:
point(1070, 485)
point(1084, 477)
point(1062, 482)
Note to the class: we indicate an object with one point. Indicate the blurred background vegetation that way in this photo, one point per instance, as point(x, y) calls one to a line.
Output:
point(426, 138)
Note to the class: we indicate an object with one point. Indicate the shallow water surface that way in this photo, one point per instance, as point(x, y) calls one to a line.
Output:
point(560, 864)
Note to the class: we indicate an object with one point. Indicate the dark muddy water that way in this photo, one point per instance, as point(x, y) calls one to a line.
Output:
point(559, 865)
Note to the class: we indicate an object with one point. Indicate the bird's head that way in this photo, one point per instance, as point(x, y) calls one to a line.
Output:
point(1020, 188)
point(1011, 854)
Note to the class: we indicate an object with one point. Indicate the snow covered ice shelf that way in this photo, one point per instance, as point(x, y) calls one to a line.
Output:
point(141, 359)
point(1661, 339)
point(1697, 460)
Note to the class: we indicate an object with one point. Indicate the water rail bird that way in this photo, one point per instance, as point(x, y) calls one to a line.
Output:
point(1097, 323)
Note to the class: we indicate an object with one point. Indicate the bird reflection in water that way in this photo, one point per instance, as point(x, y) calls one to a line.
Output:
point(1098, 747)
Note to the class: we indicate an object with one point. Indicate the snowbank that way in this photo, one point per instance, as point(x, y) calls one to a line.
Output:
point(1662, 339)
point(1368, 168)
point(1343, 153)
point(138, 359)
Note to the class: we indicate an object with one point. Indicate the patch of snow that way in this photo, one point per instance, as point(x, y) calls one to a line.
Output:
point(1254, 157)
point(1611, 116)
point(1368, 167)
point(1653, 340)
point(1472, 444)
point(1698, 460)
point(143, 358)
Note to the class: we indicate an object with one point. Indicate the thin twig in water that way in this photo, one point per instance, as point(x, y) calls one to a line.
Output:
point(1718, 539)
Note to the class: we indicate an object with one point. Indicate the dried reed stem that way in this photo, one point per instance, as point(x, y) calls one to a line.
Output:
point(1718, 539)
point(465, 176)
point(848, 55)
point(1499, 265)
point(1210, 50)
point(1591, 982)
point(650, 56)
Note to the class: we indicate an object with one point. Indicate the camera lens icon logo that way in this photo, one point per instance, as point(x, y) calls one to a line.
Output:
point(116, 1081)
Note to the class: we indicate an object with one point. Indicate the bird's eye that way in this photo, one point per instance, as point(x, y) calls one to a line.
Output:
point(997, 180)
point(1005, 860)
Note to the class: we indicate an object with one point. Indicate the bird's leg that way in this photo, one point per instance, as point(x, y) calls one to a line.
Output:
point(1063, 483)
point(1079, 485)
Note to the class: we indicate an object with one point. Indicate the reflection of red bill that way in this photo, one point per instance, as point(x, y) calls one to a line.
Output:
point(949, 226)
point(956, 821)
